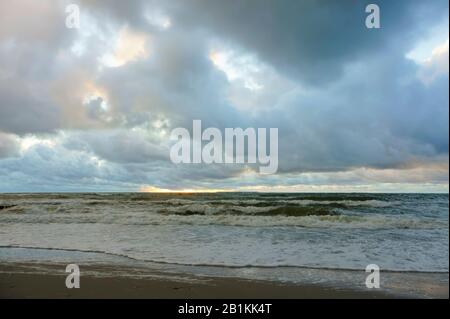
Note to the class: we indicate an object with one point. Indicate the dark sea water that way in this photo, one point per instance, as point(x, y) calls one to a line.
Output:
point(405, 233)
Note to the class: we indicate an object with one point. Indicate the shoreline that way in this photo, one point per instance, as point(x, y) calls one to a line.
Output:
point(28, 280)
point(40, 273)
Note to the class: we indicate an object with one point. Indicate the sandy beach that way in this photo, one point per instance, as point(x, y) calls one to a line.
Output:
point(25, 281)
point(224, 245)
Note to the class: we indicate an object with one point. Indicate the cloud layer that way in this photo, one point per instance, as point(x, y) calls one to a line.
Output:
point(91, 109)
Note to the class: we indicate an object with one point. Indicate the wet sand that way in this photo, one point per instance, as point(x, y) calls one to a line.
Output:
point(29, 281)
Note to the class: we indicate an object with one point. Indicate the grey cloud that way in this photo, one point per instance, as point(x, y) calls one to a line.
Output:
point(24, 110)
point(382, 120)
point(35, 22)
point(118, 146)
point(9, 145)
point(32, 37)
point(178, 82)
point(309, 40)
point(351, 100)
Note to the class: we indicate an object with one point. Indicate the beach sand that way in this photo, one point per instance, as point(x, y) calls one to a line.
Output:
point(28, 281)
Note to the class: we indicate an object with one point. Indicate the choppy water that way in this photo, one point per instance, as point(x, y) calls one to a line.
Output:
point(398, 232)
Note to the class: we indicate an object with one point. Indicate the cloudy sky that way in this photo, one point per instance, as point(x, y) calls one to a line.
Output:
point(91, 109)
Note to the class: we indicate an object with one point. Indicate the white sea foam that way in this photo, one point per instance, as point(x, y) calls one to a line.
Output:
point(395, 232)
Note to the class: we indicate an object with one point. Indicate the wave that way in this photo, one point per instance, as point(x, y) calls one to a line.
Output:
point(363, 212)
point(346, 203)
point(261, 218)
point(4, 207)
point(206, 209)
point(311, 221)
point(279, 202)
point(223, 265)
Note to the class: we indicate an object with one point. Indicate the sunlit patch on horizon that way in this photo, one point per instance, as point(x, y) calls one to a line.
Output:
point(153, 189)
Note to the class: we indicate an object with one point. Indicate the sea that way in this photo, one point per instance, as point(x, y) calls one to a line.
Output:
point(326, 239)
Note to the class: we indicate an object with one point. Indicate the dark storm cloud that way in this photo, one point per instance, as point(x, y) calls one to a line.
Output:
point(364, 121)
point(309, 40)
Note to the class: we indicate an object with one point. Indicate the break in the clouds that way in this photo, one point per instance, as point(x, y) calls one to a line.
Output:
point(91, 109)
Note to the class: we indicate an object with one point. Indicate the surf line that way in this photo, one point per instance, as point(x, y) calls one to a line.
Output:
point(234, 152)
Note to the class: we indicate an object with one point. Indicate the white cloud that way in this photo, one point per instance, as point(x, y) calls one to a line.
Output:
point(128, 46)
point(435, 65)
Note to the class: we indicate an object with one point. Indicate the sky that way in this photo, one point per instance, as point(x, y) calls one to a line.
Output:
point(92, 108)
